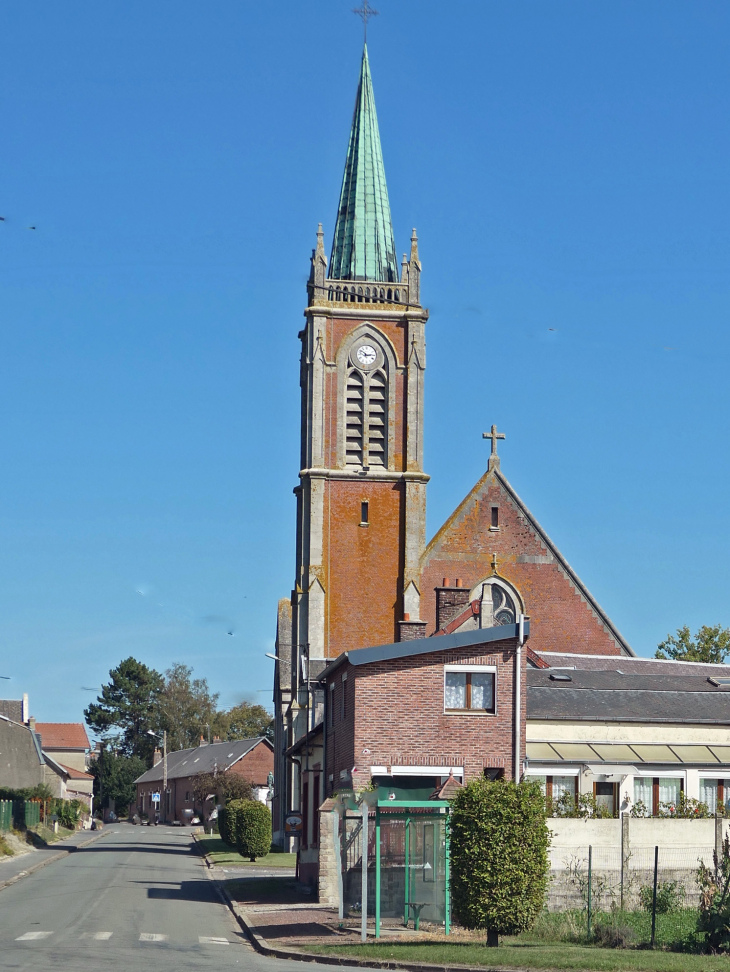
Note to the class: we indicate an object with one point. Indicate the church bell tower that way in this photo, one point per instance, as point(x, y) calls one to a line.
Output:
point(361, 500)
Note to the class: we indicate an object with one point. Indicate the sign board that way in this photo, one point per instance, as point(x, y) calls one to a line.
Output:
point(155, 797)
point(293, 823)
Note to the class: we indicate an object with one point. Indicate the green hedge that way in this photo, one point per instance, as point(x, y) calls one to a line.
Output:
point(252, 829)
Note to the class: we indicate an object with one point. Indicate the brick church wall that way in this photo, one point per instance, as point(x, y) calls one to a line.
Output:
point(560, 617)
point(364, 563)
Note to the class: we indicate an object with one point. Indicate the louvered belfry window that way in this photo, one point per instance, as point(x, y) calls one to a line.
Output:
point(355, 417)
point(366, 419)
point(377, 415)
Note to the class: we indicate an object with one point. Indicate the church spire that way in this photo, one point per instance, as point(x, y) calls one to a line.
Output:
point(363, 246)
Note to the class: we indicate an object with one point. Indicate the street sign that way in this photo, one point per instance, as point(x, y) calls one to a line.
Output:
point(155, 797)
point(293, 823)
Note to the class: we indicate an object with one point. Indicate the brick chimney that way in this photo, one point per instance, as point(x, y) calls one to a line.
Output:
point(157, 757)
point(202, 741)
point(450, 601)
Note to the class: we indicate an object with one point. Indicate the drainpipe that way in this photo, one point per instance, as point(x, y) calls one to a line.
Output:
point(518, 696)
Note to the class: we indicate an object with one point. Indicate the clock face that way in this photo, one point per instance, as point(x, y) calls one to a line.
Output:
point(366, 355)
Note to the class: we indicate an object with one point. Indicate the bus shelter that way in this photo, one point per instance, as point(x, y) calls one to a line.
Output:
point(394, 861)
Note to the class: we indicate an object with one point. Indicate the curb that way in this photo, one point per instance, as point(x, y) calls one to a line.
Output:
point(264, 948)
point(50, 860)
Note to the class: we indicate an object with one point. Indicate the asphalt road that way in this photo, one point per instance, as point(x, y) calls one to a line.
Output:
point(138, 898)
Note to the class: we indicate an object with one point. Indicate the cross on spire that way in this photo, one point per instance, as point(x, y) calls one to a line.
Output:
point(365, 13)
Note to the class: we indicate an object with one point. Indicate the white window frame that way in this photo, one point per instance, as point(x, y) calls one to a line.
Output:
point(465, 669)
point(343, 700)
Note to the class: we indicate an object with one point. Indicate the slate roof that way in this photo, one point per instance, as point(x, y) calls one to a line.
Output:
point(600, 663)
point(607, 696)
point(203, 759)
point(12, 709)
point(63, 735)
point(425, 646)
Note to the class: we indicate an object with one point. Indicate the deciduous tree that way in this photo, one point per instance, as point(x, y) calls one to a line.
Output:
point(187, 708)
point(244, 721)
point(710, 645)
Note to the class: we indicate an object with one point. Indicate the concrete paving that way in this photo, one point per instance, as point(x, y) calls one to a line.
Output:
point(136, 898)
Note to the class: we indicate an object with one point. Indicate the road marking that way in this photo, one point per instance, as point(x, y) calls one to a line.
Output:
point(212, 941)
point(98, 936)
point(33, 936)
point(152, 937)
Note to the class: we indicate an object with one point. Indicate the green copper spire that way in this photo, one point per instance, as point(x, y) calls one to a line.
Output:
point(363, 247)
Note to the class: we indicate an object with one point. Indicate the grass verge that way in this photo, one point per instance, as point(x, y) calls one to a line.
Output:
point(223, 854)
point(514, 953)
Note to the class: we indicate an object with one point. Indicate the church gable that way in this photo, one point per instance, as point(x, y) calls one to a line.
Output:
point(492, 558)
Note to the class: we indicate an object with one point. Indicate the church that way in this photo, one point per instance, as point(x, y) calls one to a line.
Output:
point(379, 615)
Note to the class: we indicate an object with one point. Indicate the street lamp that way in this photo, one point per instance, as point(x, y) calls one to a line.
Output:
point(156, 735)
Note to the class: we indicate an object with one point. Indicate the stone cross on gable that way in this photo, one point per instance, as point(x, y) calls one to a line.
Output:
point(494, 436)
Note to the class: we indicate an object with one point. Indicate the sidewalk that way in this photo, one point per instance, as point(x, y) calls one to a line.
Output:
point(14, 868)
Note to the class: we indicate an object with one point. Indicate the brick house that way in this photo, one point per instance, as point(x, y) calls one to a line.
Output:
point(67, 746)
point(252, 759)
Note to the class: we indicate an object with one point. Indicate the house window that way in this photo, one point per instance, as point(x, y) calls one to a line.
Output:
point(343, 700)
point(469, 689)
point(555, 787)
point(332, 705)
point(711, 793)
point(495, 517)
point(643, 792)
point(364, 520)
point(669, 790)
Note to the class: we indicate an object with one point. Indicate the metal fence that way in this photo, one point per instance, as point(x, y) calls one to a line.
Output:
point(648, 895)
point(19, 813)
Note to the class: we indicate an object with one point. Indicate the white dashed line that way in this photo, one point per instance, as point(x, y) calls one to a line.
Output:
point(212, 941)
point(33, 936)
point(152, 937)
point(98, 936)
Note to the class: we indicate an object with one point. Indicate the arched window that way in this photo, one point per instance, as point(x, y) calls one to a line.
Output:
point(366, 405)
point(354, 417)
point(500, 602)
point(503, 607)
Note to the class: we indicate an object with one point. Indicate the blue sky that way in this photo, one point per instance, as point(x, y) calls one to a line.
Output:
point(565, 164)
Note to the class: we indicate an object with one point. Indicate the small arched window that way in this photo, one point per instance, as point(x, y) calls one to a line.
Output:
point(500, 602)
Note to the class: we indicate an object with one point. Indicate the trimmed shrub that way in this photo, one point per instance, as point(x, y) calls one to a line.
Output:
point(499, 844)
point(228, 821)
point(253, 829)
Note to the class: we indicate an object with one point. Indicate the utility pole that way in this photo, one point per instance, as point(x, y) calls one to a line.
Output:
point(164, 771)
